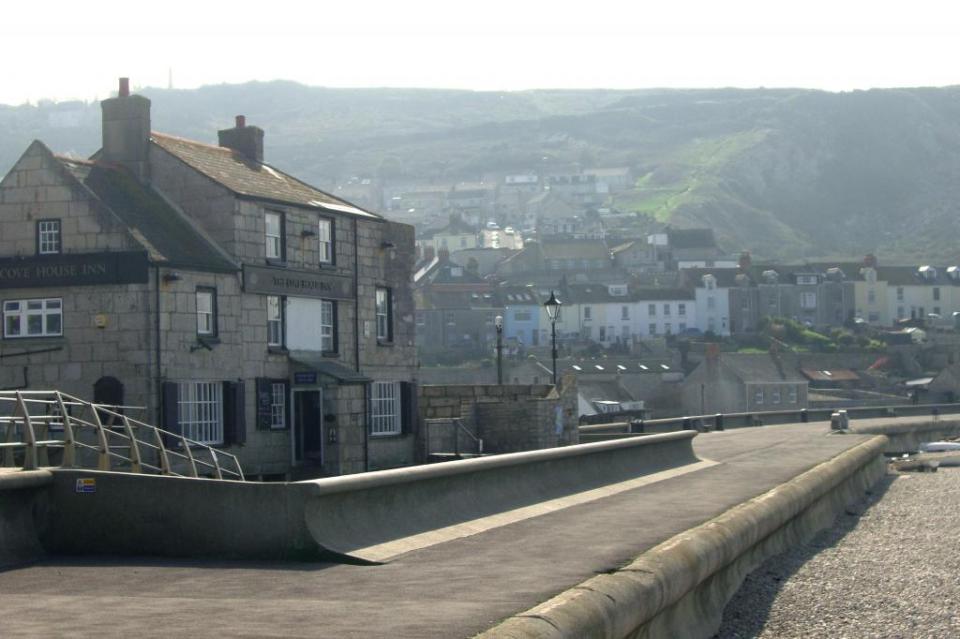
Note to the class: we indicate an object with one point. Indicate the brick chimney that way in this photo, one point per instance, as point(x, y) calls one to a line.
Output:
point(870, 260)
point(444, 254)
point(245, 140)
point(745, 261)
point(126, 131)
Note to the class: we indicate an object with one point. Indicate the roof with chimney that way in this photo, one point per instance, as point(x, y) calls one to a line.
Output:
point(759, 368)
point(252, 179)
point(166, 234)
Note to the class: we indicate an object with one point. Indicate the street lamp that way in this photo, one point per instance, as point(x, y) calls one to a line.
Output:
point(553, 312)
point(498, 322)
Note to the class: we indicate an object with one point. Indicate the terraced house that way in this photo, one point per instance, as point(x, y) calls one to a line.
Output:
point(213, 293)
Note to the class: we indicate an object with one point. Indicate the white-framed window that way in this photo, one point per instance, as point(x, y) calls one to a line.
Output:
point(48, 237)
point(792, 394)
point(206, 311)
point(899, 293)
point(385, 408)
point(274, 320)
point(807, 280)
point(384, 312)
point(681, 309)
point(775, 396)
point(682, 326)
point(325, 237)
point(758, 396)
point(624, 312)
point(273, 235)
point(200, 411)
point(587, 312)
point(652, 310)
point(900, 313)
point(652, 329)
point(278, 405)
point(328, 326)
point(33, 318)
point(936, 294)
point(711, 302)
point(666, 310)
point(668, 328)
point(808, 300)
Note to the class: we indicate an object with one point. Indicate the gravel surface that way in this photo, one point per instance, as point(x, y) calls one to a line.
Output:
point(889, 567)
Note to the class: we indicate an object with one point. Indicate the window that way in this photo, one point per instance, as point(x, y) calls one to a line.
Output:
point(274, 320)
point(652, 329)
point(652, 310)
point(681, 309)
point(587, 312)
point(384, 313)
point(666, 309)
point(625, 312)
point(936, 294)
point(900, 313)
point(806, 280)
point(33, 318)
point(48, 237)
point(871, 296)
point(873, 316)
point(278, 405)
point(206, 311)
point(936, 310)
point(385, 408)
point(792, 394)
point(711, 302)
point(775, 396)
point(603, 334)
point(808, 301)
point(625, 332)
point(328, 326)
point(325, 236)
point(273, 223)
point(668, 328)
point(899, 293)
point(758, 396)
point(200, 411)
point(682, 327)
point(525, 316)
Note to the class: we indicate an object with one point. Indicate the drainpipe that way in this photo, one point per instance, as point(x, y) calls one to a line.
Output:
point(356, 344)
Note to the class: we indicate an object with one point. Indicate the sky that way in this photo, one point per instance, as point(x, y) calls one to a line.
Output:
point(71, 50)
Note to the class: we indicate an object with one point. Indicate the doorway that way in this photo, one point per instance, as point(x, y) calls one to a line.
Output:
point(308, 426)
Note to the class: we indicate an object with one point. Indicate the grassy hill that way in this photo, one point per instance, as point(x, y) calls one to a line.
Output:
point(784, 173)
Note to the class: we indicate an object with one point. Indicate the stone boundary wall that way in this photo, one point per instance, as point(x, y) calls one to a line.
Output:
point(680, 587)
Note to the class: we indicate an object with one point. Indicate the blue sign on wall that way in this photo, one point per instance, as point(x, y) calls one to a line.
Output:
point(308, 377)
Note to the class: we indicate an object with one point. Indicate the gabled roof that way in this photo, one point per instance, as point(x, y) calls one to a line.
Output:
point(556, 248)
point(759, 368)
point(251, 179)
point(456, 226)
point(830, 375)
point(166, 233)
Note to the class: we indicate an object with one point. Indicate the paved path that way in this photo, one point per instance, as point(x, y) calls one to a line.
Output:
point(454, 589)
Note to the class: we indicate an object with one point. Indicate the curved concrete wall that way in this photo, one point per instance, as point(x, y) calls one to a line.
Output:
point(907, 437)
point(352, 513)
point(23, 503)
point(179, 517)
point(679, 588)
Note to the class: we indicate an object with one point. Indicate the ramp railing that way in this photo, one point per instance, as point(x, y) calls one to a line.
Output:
point(50, 428)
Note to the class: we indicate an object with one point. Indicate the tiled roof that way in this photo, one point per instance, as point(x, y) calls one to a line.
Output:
point(248, 178)
point(166, 234)
point(759, 368)
point(575, 249)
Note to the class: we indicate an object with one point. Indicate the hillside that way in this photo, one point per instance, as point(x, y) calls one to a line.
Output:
point(784, 173)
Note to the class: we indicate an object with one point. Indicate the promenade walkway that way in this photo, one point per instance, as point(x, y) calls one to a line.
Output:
point(454, 589)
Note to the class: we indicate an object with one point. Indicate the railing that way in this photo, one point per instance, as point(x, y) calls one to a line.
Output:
point(443, 437)
point(720, 421)
point(37, 426)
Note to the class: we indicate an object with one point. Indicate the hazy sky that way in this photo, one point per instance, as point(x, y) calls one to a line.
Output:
point(65, 50)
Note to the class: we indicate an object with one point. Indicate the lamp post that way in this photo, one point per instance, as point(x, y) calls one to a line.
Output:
point(498, 322)
point(553, 312)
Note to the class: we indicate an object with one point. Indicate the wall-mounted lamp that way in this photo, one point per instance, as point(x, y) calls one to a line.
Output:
point(171, 277)
point(308, 233)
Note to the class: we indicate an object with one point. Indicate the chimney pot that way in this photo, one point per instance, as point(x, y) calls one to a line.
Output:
point(124, 91)
point(241, 121)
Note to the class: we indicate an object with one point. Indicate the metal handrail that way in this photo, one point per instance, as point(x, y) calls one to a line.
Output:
point(143, 443)
point(456, 439)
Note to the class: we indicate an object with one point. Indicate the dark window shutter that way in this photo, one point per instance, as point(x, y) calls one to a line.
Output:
point(287, 404)
point(234, 424)
point(264, 399)
point(408, 407)
point(171, 412)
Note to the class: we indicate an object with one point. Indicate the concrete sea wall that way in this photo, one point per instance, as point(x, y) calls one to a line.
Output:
point(680, 588)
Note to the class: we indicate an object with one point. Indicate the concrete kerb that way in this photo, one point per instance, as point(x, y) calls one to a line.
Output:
point(906, 437)
point(698, 570)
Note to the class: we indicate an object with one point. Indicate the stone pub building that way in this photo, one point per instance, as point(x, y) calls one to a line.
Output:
point(222, 297)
